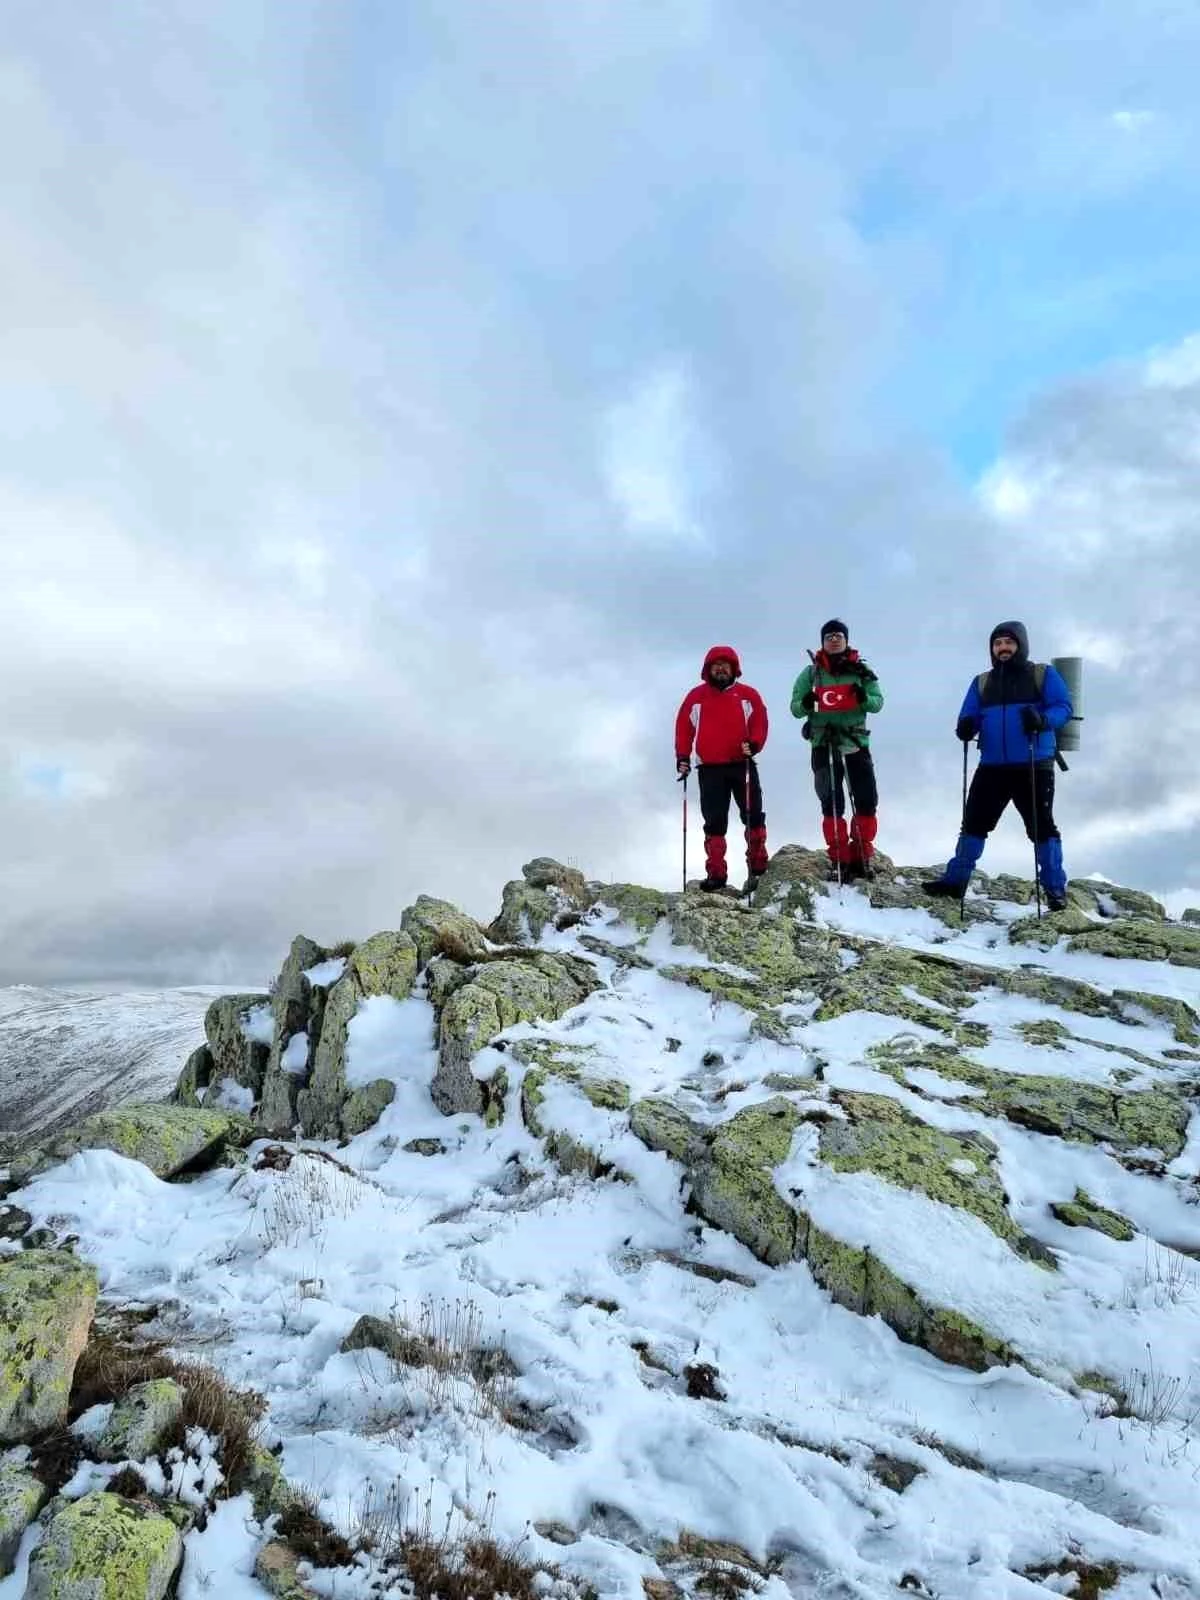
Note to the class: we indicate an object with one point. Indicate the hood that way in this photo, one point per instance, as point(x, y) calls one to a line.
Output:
point(1019, 633)
point(721, 652)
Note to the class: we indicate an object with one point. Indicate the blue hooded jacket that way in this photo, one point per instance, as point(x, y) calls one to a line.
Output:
point(997, 712)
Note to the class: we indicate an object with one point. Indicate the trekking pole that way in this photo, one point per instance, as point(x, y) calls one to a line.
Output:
point(685, 784)
point(749, 874)
point(962, 828)
point(1037, 868)
point(833, 801)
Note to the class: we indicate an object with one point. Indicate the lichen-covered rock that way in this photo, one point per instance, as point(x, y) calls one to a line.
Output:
point(104, 1547)
point(164, 1137)
point(785, 959)
point(385, 964)
point(548, 1060)
point(22, 1497)
point(731, 1170)
point(1087, 1113)
point(501, 993)
point(886, 975)
point(47, 1298)
point(141, 1421)
point(195, 1078)
point(744, 992)
point(544, 891)
point(1177, 1014)
point(364, 1107)
point(793, 877)
point(428, 921)
point(1046, 1032)
point(956, 1169)
point(1045, 931)
point(1084, 1212)
point(269, 1489)
point(734, 1187)
point(234, 1054)
point(292, 1005)
point(1130, 939)
point(640, 908)
point(276, 1567)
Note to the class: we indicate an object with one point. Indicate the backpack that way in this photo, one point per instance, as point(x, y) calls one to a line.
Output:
point(1039, 683)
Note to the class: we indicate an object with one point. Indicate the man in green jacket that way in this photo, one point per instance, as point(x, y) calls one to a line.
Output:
point(834, 696)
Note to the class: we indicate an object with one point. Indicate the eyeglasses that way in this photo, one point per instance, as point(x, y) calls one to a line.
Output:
point(832, 636)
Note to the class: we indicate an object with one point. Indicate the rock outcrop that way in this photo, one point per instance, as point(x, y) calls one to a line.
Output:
point(47, 1299)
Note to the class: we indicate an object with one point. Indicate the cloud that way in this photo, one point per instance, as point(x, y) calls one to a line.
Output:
point(395, 408)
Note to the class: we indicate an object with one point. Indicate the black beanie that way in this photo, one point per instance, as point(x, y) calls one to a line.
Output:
point(835, 625)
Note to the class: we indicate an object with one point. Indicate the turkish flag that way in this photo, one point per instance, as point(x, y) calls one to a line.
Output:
point(836, 697)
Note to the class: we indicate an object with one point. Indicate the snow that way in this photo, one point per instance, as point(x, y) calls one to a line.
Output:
point(587, 1285)
point(326, 973)
point(295, 1055)
point(258, 1025)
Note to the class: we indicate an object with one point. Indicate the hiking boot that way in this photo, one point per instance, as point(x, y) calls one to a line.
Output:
point(752, 881)
point(1056, 902)
point(712, 885)
point(945, 889)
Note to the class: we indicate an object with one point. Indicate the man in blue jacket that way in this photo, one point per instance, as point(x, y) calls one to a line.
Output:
point(1014, 710)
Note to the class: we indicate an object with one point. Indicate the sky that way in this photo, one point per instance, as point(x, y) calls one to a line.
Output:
point(398, 400)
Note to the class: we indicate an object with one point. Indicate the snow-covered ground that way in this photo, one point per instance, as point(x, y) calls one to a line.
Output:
point(67, 1052)
point(604, 1292)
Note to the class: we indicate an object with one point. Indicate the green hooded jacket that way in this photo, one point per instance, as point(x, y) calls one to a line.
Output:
point(845, 729)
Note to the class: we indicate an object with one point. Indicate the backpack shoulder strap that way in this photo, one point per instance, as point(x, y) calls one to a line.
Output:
point(1039, 676)
point(981, 682)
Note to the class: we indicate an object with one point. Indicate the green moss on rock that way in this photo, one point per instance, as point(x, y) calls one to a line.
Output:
point(955, 1169)
point(1084, 1212)
point(22, 1496)
point(1048, 1033)
point(104, 1547)
point(164, 1137)
point(640, 908)
point(1087, 1113)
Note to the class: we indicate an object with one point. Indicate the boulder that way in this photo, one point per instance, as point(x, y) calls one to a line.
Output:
point(22, 1497)
point(277, 1568)
point(234, 1053)
point(292, 1005)
point(429, 922)
point(141, 1421)
point(47, 1298)
point(104, 1546)
point(545, 891)
point(385, 964)
point(166, 1138)
point(195, 1078)
point(499, 995)
point(640, 908)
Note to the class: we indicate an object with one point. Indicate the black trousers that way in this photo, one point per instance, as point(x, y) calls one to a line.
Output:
point(993, 787)
point(859, 772)
point(719, 784)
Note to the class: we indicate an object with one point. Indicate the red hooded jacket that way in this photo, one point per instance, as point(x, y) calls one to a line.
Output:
point(719, 721)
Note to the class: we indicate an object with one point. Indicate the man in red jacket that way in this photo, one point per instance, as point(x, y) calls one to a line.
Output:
point(727, 723)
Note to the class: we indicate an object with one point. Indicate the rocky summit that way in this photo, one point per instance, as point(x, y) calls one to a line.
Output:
point(640, 1244)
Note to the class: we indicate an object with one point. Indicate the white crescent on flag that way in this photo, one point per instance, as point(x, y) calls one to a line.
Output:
point(830, 698)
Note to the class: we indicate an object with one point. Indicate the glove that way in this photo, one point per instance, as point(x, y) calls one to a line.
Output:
point(860, 694)
point(1032, 719)
point(808, 702)
point(965, 729)
point(806, 729)
point(682, 767)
